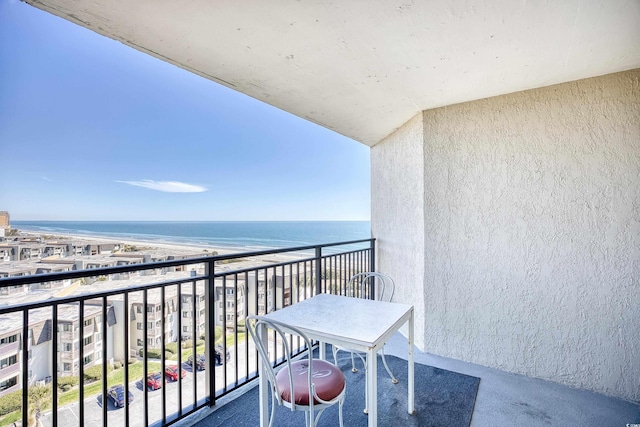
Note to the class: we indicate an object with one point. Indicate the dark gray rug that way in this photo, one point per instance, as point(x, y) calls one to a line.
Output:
point(443, 398)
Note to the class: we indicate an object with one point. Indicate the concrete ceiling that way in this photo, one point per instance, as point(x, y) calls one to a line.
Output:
point(364, 67)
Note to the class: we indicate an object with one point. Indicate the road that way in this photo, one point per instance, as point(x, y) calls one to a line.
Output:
point(69, 415)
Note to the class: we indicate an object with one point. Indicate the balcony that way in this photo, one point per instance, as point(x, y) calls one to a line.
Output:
point(305, 272)
point(502, 398)
point(9, 349)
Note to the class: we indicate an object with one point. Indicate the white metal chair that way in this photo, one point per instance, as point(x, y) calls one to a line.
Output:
point(315, 384)
point(362, 285)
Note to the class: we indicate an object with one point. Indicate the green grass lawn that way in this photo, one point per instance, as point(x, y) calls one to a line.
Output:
point(11, 418)
point(115, 377)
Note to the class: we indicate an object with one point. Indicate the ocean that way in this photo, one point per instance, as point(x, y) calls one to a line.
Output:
point(233, 235)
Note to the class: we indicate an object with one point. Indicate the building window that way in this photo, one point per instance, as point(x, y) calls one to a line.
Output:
point(139, 326)
point(140, 342)
point(186, 314)
point(66, 367)
point(149, 309)
point(8, 361)
point(87, 341)
point(88, 322)
point(150, 341)
point(98, 337)
point(149, 325)
point(230, 292)
point(8, 383)
point(230, 304)
point(185, 329)
point(138, 309)
point(88, 359)
point(66, 346)
point(9, 339)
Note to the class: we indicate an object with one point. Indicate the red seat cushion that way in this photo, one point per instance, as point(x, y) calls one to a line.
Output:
point(328, 379)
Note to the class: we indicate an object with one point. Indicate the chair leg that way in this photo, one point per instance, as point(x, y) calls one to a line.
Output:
point(340, 404)
point(366, 391)
point(353, 363)
point(384, 361)
point(273, 407)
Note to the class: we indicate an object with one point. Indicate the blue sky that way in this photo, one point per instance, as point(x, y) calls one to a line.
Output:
point(91, 129)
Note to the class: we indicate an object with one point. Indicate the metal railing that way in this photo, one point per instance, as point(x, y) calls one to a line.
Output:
point(230, 360)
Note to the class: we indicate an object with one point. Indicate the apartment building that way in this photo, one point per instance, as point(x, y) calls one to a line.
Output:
point(92, 341)
point(153, 320)
point(39, 344)
point(16, 270)
point(55, 249)
point(6, 252)
point(5, 223)
point(192, 307)
point(10, 353)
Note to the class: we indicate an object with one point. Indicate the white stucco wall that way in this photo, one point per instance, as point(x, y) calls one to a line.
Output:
point(531, 234)
point(397, 219)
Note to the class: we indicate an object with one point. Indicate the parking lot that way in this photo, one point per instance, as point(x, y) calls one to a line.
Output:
point(68, 415)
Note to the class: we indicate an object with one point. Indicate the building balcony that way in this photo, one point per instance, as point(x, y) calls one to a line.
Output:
point(9, 371)
point(502, 398)
point(9, 349)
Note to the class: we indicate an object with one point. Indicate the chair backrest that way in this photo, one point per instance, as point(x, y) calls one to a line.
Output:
point(254, 324)
point(371, 284)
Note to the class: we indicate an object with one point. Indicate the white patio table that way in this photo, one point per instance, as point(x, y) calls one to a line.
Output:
point(355, 323)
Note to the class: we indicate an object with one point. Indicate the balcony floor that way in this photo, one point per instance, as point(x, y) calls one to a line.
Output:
point(501, 395)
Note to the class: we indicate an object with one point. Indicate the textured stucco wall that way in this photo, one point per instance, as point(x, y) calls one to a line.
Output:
point(531, 231)
point(397, 193)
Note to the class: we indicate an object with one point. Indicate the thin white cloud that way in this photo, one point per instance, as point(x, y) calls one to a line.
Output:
point(46, 179)
point(167, 186)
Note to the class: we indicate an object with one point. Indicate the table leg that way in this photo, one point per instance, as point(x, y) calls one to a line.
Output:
point(263, 382)
point(372, 387)
point(410, 374)
point(323, 350)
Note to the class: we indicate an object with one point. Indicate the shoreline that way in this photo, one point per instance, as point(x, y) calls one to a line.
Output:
point(154, 244)
point(151, 245)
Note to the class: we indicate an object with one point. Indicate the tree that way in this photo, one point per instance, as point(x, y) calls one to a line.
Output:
point(39, 399)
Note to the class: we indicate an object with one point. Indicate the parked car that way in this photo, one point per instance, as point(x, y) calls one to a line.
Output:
point(171, 372)
point(116, 393)
point(154, 381)
point(200, 362)
point(219, 351)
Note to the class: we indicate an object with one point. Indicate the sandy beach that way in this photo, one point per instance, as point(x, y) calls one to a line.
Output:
point(150, 246)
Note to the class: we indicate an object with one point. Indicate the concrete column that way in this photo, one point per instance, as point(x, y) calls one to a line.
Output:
point(397, 215)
